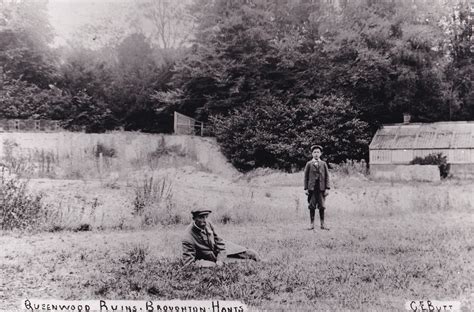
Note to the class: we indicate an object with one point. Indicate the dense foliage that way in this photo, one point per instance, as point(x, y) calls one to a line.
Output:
point(275, 134)
point(270, 78)
point(254, 63)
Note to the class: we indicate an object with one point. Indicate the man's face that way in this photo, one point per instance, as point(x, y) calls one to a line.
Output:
point(200, 220)
point(316, 153)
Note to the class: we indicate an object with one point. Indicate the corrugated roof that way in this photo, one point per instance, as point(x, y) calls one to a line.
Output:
point(455, 134)
point(425, 138)
point(462, 139)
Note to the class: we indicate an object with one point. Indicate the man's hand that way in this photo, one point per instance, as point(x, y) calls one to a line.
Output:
point(326, 193)
point(219, 263)
point(306, 192)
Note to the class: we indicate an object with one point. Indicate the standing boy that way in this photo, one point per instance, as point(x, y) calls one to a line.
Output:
point(316, 185)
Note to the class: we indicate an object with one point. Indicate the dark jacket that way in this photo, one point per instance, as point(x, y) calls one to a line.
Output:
point(312, 171)
point(202, 244)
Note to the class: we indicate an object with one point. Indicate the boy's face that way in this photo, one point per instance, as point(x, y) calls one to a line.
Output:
point(316, 153)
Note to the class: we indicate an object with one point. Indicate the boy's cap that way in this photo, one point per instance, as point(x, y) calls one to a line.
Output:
point(313, 147)
point(200, 212)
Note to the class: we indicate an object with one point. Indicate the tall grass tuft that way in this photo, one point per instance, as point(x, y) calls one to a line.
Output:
point(18, 209)
point(350, 168)
point(137, 254)
point(14, 160)
point(154, 203)
point(104, 150)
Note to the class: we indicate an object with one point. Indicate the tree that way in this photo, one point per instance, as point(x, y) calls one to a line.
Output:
point(276, 135)
point(460, 70)
point(386, 57)
point(20, 99)
point(24, 37)
point(170, 22)
point(105, 24)
point(28, 66)
point(89, 114)
point(238, 56)
point(137, 76)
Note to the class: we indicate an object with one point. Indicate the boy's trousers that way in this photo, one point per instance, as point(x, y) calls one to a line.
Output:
point(316, 199)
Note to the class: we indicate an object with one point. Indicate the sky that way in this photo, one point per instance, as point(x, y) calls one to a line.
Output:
point(111, 20)
point(67, 17)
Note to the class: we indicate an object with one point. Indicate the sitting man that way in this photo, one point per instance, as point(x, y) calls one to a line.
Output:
point(204, 248)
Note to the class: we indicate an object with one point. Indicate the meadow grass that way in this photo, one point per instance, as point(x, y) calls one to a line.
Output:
point(370, 263)
point(166, 197)
point(389, 242)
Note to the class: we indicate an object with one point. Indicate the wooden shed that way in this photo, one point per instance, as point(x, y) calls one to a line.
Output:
point(398, 144)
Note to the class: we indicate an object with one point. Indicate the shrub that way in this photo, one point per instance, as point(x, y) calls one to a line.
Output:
point(277, 135)
point(18, 209)
point(225, 218)
point(14, 160)
point(137, 254)
point(154, 157)
point(84, 227)
point(147, 193)
point(104, 150)
point(46, 164)
point(154, 204)
point(434, 159)
point(350, 167)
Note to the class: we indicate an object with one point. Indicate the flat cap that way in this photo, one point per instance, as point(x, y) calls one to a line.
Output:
point(200, 212)
point(313, 147)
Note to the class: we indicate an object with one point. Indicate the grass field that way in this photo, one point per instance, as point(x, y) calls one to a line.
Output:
point(119, 238)
point(363, 263)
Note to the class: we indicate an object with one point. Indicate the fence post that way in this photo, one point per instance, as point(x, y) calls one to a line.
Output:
point(202, 129)
point(175, 116)
point(101, 159)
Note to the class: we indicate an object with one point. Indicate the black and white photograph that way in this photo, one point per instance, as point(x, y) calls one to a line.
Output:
point(236, 155)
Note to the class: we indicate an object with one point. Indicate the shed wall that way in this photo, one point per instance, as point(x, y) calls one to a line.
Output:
point(460, 171)
point(404, 156)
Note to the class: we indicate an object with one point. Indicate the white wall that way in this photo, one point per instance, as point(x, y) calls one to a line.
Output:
point(128, 146)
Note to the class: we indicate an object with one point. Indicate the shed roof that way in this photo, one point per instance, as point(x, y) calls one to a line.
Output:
point(437, 135)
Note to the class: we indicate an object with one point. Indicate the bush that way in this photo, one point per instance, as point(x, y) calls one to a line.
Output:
point(18, 209)
point(154, 203)
point(104, 150)
point(137, 254)
point(434, 159)
point(279, 135)
point(161, 151)
point(14, 160)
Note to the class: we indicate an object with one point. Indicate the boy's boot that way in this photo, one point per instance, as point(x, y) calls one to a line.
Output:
point(321, 215)
point(311, 219)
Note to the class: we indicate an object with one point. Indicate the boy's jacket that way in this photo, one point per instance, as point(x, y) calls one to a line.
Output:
point(311, 173)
